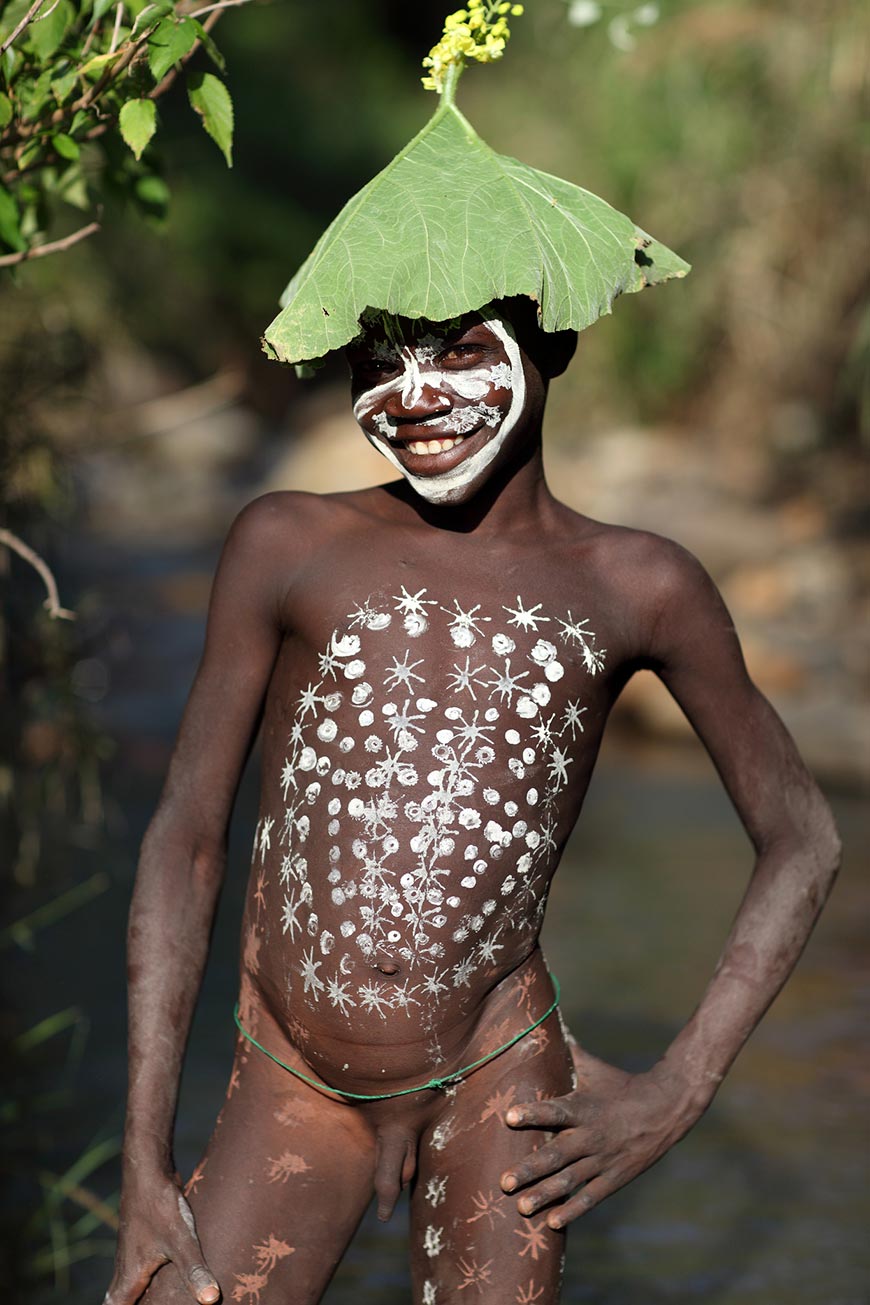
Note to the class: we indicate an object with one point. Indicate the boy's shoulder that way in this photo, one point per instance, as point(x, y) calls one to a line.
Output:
point(291, 514)
point(650, 580)
point(635, 557)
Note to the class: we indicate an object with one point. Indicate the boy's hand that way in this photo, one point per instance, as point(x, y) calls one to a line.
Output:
point(157, 1227)
point(611, 1128)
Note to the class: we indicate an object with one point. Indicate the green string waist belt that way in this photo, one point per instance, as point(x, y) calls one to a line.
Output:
point(448, 1080)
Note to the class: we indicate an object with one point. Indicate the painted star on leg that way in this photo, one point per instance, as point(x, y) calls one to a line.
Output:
point(474, 1274)
point(534, 1237)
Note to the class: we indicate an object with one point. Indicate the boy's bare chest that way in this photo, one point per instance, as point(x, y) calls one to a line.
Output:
point(427, 659)
point(425, 753)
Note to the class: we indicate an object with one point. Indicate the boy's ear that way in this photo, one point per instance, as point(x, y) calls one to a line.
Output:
point(558, 350)
point(550, 351)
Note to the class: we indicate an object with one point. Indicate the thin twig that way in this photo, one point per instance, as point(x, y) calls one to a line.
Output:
point(116, 29)
point(52, 602)
point(48, 11)
point(40, 251)
point(222, 4)
point(89, 39)
point(25, 22)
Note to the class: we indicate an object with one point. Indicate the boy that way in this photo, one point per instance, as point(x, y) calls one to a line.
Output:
point(434, 661)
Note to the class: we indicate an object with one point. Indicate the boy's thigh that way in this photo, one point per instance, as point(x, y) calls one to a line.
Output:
point(469, 1241)
point(279, 1193)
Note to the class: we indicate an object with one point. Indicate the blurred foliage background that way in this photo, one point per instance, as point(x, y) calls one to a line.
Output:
point(731, 410)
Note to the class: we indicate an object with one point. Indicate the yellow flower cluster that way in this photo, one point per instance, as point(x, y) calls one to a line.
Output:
point(478, 32)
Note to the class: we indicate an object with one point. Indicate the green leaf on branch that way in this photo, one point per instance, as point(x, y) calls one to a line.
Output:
point(8, 63)
point(10, 228)
point(95, 67)
point(151, 15)
point(210, 98)
point(10, 16)
point(62, 86)
point(152, 196)
point(100, 7)
point(81, 118)
point(169, 42)
point(65, 146)
point(5, 110)
point(209, 46)
point(45, 35)
point(72, 189)
point(33, 94)
point(30, 154)
point(138, 122)
point(448, 226)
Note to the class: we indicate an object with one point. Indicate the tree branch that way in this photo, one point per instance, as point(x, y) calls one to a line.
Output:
point(40, 251)
point(25, 22)
point(52, 602)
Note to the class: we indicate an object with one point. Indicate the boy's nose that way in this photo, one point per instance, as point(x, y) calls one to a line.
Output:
point(417, 403)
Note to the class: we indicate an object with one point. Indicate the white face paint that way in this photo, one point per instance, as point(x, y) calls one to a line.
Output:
point(461, 394)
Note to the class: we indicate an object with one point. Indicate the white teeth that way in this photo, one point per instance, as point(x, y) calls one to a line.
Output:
point(434, 446)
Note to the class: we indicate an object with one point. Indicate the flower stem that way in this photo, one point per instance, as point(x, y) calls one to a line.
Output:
point(451, 77)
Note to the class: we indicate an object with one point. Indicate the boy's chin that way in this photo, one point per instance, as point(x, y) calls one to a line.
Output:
point(452, 487)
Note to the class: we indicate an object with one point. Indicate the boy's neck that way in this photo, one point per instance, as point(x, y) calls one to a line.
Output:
point(511, 502)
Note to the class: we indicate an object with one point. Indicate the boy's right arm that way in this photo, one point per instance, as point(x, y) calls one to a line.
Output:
point(177, 886)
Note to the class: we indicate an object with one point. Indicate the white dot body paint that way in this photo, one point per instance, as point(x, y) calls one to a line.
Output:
point(450, 486)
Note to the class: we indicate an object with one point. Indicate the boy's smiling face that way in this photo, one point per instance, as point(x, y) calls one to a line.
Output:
point(441, 406)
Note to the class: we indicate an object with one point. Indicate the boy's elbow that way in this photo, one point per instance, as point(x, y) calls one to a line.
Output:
point(826, 848)
point(833, 858)
point(179, 849)
point(208, 860)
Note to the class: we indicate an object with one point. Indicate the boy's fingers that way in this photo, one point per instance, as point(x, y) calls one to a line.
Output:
point(126, 1288)
point(584, 1200)
point(559, 1187)
point(540, 1164)
point(200, 1282)
point(541, 1114)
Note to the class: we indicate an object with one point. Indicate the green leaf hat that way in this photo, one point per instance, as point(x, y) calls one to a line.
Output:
point(450, 225)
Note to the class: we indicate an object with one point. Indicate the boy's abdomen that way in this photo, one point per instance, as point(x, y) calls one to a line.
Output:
point(417, 788)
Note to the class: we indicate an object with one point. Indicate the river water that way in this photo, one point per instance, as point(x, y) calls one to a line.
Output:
point(764, 1203)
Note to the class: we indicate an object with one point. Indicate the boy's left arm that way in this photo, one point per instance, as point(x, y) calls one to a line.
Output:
point(615, 1125)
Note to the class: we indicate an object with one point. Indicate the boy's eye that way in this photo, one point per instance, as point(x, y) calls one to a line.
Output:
point(462, 354)
point(373, 369)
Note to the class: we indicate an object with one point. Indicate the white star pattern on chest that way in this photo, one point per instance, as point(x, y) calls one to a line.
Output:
point(428, 790)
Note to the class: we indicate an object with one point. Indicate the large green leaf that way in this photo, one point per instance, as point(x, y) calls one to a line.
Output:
point(448, 226)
